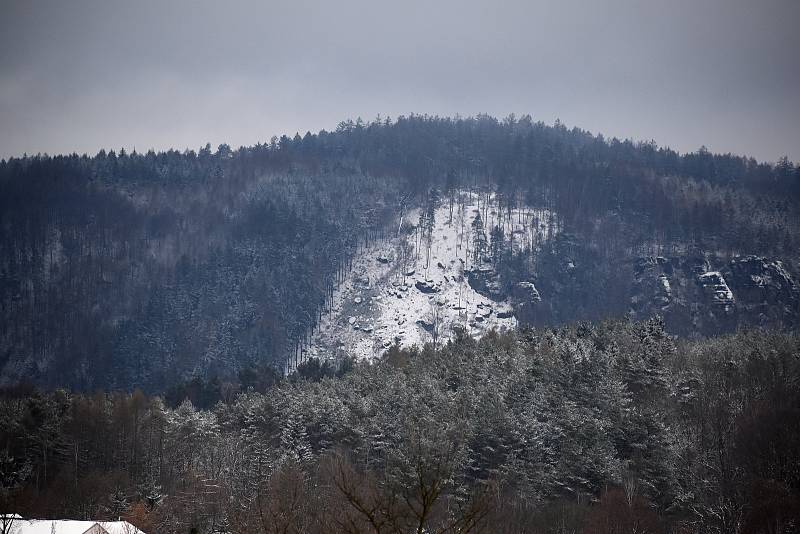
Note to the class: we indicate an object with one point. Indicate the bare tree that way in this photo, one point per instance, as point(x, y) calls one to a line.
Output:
point(282, 503)
point(435, 321)
point(414, 495)
point(363, 505)
point(10, 523)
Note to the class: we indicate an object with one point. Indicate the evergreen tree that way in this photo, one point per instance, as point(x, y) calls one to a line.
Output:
point(478, 240)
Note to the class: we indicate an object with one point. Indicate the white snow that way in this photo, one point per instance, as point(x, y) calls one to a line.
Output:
point(665, 284)
point(47, 526)
point(380, 304)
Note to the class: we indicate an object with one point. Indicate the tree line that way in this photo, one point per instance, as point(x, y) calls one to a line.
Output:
point(611, 427)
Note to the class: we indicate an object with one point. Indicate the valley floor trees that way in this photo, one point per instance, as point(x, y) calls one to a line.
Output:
point(606, 427)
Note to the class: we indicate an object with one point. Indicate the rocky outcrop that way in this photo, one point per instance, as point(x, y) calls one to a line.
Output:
point(716, 290)
point(426, 325)
point(525, 292)
point(525, 299)
point(427, 286)
point(504, 313)
point(652, 287)
point(766, 292)
point(758, 279)
point(663, 291)
point(703, 294)
point(484, 280)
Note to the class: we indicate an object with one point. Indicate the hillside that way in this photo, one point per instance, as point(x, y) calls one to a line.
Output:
point(146, 270)
point(422, 284)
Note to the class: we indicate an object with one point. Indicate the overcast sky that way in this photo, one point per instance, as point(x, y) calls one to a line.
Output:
point(78, 75)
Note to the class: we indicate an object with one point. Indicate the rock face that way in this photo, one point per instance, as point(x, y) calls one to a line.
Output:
point(505, 313)
point(696, 292)
point(525, 299)
point(652, 289)
point(426, 286)
point(760, 280)
point(407, 296)
point(426, 325)
point(704, 295)
point(485, 281)
point(525, 292)
point(766, 290)
point(716, 290)
point(569, 279)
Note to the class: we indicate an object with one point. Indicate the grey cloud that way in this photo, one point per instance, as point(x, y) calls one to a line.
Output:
point(80, 75)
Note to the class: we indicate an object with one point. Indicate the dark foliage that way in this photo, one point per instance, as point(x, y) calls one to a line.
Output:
point(613, 427)
point(148, 270)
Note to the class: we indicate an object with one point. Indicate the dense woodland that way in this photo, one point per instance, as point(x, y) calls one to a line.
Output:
point(144, 269)
point(151, 304)
point(615, 427)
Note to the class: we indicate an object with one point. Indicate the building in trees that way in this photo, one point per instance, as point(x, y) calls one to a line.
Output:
point(47, 526)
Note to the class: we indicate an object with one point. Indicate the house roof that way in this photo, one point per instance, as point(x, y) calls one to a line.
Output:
point(119, 527)
point(48, 526)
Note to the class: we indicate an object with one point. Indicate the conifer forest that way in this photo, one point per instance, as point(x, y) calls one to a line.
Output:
point(607, 344)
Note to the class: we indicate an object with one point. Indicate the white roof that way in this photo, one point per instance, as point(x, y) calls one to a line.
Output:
point(48, 526)
point(45, 526)
point(119, 527)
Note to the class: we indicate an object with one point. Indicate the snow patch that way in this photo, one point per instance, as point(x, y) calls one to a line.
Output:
point(409, 288)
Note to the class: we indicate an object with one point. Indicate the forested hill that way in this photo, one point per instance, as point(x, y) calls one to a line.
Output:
point(130, 269)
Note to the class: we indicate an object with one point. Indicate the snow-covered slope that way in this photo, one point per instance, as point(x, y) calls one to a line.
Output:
point(414, 288)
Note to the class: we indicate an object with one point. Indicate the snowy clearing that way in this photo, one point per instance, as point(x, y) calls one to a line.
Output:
point(413, 288)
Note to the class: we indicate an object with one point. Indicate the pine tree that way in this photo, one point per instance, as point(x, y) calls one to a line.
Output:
point(478, 240)
point(118, 503)
point(294, 439)
point(496, 243)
